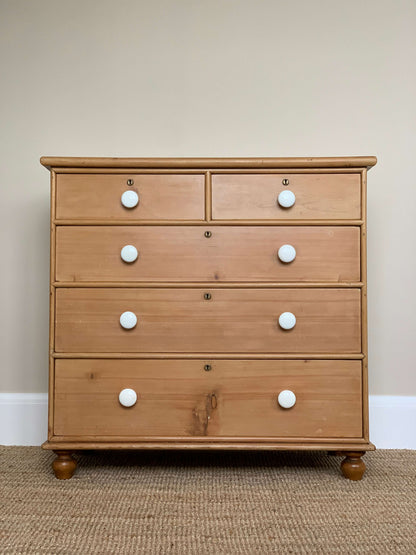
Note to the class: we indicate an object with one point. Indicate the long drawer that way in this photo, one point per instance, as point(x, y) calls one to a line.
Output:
point(196, 320)
point(316, 196)
point(229, 253)
point(159, 196)
point(233, 399)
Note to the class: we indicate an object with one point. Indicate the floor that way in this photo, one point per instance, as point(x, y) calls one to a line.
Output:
point(206, 503)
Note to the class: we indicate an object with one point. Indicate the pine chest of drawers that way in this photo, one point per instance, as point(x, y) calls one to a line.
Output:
point(208, 304)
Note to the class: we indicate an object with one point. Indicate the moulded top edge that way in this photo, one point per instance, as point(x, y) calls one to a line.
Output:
point(52, 162)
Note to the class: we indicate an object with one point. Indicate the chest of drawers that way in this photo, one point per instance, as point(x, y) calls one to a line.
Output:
point(208, 304)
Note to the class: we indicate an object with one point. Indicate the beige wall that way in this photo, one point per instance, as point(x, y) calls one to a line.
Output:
point(213, 78)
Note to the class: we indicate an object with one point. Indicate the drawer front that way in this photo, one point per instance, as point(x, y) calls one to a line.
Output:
point(229, 320)
point(235, 399)
point(160, 196)
point(179, 253)
point(255, 196)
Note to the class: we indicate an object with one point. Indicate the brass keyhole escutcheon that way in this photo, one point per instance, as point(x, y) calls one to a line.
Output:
point(207, 296)
point(130, 182)
point(285, 181)
point(207, 368)
point(208, 234)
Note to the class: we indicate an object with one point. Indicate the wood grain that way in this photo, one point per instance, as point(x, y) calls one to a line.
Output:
point(166, 253)
point(52, 277)
point(240, 320)
point(208, 207)
point(318, 196)
point(215, 444)
point(229, 356)
point(175, 398)
point(175, 196)
point(211, 284)
point(64, 465)
point(233, 406)
point(203, 223)
point(353, 467)
point(282, 162)
point(364, 324)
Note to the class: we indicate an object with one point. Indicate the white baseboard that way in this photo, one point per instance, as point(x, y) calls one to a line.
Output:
point(23, 420)
point(393, 421)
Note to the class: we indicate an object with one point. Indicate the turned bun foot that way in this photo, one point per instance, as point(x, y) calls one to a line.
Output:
point(352, 466)
point(64, 465)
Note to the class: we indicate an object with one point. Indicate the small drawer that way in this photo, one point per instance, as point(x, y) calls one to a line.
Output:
point(317, 196)
point(193, 320)
point(148, 197)
point(234, 399)
point(230, 253)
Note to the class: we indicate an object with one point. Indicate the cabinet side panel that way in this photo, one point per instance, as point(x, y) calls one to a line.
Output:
point(52, 303)
point(364, 340)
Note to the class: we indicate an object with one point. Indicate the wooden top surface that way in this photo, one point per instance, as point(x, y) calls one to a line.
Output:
point(52, 162)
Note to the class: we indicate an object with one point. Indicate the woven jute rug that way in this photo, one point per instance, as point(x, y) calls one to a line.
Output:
point(206, 503)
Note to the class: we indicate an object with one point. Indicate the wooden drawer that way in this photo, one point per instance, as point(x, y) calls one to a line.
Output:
point(233, 320)
point(179, 253)
point(237, 398)
point(161, 196)
point(319, 196)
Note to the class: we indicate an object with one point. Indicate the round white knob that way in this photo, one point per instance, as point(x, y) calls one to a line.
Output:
point(287, 253)
point(287, 320)
point(127, 397)
point(128, 320)
point(286, 399)
point(286, 199)
point(129, 199)
point(129, 253)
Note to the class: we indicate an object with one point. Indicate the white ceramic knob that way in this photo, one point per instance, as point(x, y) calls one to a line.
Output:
point(128, 320)
point(286, 199)
point(127, 397)
point(287, 320)
point(286, 399)
point(287, 253)
point(129, 253)
point(129, 199)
